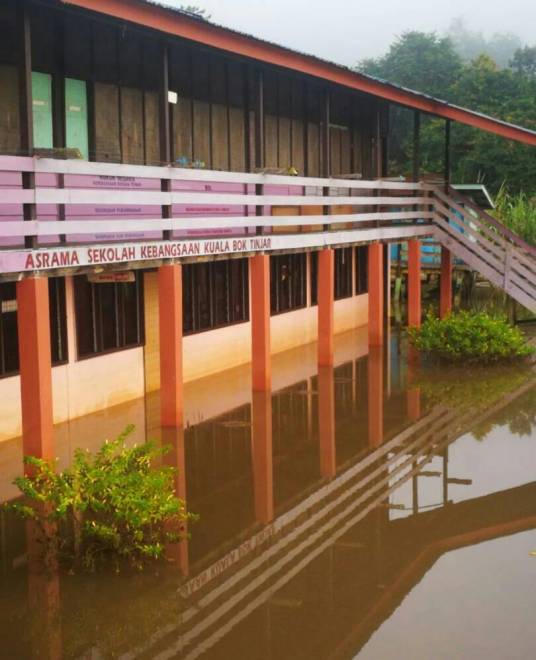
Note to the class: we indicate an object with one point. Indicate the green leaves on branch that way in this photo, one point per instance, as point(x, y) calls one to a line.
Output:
point(115, 505)
point(470, 337)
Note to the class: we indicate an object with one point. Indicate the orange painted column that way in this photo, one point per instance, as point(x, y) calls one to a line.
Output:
point(35, 367)
point(375, 396)
point(445, 283)
point(261, 451)
point(326, 422)
point(414, 284)
point(375, 294)
point(170, 329)
point(175, 458)
point(261, 368)
point(326, 296)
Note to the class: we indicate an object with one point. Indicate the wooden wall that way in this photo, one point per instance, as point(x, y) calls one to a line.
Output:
point(213, 120)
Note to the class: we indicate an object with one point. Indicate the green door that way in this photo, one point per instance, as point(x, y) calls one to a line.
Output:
point(42, 110)
point(76, 116)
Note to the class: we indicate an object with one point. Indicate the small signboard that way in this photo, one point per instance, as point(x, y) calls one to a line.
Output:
point(112, 278)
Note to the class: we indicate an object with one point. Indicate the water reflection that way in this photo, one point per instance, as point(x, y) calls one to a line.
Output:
point(322, 506)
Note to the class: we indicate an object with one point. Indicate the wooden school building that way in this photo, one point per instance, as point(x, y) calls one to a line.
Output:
point(178, 198)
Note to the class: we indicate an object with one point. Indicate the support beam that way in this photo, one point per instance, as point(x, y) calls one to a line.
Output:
point(326, 295)
point(258, 96)
point(163, 105)
point(25, 78)
point(261, 452)
point(414, 284)
point(447, 155)
point(416, 173)
point(261, 367)
point(170, 328)
point(375, 294)
point(375, 396)
point(33, 319)
point(326, 421)
point(445, 283)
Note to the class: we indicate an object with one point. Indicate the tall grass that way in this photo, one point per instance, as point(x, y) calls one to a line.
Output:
point(518, 212)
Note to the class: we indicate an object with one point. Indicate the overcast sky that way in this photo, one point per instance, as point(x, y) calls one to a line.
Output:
point(348, 30)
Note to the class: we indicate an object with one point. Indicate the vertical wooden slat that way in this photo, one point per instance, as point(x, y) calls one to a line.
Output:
point(163, 89)
point(25, 77)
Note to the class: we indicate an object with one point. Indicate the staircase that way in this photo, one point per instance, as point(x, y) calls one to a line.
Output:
point(486, 246)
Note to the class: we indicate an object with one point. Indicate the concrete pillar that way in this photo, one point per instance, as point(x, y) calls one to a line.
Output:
point(326, 295)
point(261, 367)
point(170, 330)
point(414, 283)
point(261, 452)
point(326, 422)
point(35, 367)
point(375, 294)
point(445, 283)
point(375, 396)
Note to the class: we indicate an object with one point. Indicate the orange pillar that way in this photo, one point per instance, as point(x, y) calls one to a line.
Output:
point(326, 422)
point(414, 283)
point(170, 318)
point(445, 283)
point(375, 294)
point(261, 451)
point(261, 367)
point(35, 367)
point(375, 396)
point(326, 294)
point(175, 458)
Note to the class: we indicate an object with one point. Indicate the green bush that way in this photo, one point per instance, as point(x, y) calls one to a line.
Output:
point(115, 505)
point(470, 337)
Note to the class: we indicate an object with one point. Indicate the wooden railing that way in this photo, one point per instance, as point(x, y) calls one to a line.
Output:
point(81, 214)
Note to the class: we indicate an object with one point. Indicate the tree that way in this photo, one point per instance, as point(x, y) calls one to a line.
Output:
point(470, 44)
point(196, 11)
point(524, 61)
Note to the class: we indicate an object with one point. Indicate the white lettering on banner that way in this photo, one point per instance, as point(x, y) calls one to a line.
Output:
point(48, 258)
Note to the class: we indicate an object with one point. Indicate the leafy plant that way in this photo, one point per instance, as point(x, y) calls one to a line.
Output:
point(518, 212)
point(113, 506)
point(470, 337)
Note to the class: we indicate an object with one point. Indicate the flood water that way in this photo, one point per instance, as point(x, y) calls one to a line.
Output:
point(378, 509)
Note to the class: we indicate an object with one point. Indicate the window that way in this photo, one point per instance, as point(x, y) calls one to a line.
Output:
point(287, 282)
point(215, 294)
point(9, 344)
point(108, 316)
point(343, 273)
point(361, 269)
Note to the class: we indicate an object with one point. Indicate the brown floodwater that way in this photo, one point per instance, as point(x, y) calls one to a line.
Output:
point(378, 509)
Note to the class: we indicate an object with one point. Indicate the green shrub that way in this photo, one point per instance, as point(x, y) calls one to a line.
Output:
point(470, 337)
point(115, 505)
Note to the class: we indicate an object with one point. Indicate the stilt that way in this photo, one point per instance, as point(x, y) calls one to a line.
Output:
point(326, 295)
point(326, 422)
point(375, 294)
point(170, 316)
point(35, 367)
point(375, 396)
point(445, 283)
point(414, 284)
point(261, 451)
point(259, 266)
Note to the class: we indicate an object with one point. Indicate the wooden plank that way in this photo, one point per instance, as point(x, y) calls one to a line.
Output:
point(201, 119)
point(283, 143)
point(9, 110)
point(106, 113)
point(220, 137)
point(335, 151)
point(152, 128)
point(237, 140)
point(313, 150)
point(132, 125)
point(286, 211)
point(270, 141)
point(183, 129)
point(346, 152)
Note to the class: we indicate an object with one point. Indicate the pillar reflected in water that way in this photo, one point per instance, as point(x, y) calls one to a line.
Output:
point(262, 455)
point(413, 393)
point(44, 591)
point(326, 422)
point(175, 457)
point(375, 396)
